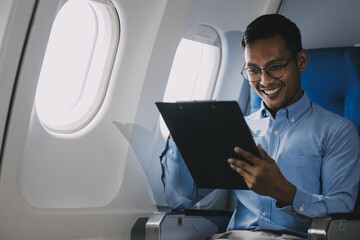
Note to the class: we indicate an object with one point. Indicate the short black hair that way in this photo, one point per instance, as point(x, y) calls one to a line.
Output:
point(269, 25)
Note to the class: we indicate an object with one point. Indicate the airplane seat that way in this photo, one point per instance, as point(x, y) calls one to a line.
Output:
point(331, 80)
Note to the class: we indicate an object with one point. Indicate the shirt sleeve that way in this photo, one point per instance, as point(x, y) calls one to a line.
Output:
point(339, 177)
point(179, 186)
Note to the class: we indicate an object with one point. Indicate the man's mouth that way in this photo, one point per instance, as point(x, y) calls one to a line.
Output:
point(271, 91)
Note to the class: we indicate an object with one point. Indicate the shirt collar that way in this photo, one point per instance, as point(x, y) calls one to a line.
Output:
point(293, 112)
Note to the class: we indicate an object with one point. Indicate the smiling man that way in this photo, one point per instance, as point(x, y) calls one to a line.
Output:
point(278, 83)
point(309, 157)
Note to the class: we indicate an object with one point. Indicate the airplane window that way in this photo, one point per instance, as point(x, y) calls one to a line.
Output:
point(77, 65)
point(195, 68)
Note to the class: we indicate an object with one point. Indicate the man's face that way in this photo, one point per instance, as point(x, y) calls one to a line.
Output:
point(280, 92)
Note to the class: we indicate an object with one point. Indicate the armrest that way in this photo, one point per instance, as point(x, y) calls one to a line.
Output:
point(186, 224)
point(334, 227)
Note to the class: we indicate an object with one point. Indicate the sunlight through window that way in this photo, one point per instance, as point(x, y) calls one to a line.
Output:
point(77, 65)
point(195, 68)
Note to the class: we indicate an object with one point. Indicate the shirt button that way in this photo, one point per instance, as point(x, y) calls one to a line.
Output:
point(293, 120)
point(171, 151)
point(276, 132)
point(264, 214)
point(301, 208)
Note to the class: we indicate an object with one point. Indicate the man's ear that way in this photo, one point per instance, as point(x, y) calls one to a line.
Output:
point(302, 60)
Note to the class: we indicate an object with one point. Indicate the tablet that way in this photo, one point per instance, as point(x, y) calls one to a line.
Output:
point(206, 133)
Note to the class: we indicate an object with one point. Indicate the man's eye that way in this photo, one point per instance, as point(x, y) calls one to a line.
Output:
point(275, 67)
point(253, 71)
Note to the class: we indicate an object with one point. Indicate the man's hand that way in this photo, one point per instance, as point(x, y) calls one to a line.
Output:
point(265, 177)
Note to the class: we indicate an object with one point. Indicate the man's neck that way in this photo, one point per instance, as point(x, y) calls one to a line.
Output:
point(272, 111)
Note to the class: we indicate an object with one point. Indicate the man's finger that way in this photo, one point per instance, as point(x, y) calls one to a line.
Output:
point(243, 172)
point(247, 155)
point(241, 165)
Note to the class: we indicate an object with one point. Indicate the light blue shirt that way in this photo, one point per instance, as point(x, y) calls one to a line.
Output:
point(316, 150)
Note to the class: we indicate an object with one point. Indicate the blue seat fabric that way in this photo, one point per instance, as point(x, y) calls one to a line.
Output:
point(331, 80)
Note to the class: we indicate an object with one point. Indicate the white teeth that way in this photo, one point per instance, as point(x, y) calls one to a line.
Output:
point(272, 91)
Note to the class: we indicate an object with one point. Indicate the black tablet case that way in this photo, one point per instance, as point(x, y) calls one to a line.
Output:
point(206, 133)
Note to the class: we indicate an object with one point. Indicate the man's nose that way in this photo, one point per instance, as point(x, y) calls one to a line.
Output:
point(265, 77)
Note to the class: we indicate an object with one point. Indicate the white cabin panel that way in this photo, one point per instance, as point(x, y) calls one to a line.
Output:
point(14, 24)
point(97, 182)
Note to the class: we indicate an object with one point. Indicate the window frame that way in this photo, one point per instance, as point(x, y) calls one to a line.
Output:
point(102, 55)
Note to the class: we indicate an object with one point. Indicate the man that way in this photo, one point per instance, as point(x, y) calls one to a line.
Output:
point(310, 158)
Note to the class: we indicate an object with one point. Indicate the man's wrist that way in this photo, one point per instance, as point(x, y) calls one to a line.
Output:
point(286, 195)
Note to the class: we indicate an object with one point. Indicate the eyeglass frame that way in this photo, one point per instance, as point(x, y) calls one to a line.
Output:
point(267, 72)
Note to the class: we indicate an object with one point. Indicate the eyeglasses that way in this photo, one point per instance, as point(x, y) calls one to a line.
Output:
point(253, 74)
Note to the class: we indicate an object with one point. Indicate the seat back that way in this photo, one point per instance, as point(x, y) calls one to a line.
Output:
point(331, 80)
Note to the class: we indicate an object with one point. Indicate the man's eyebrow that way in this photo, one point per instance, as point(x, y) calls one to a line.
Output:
point(276, 60)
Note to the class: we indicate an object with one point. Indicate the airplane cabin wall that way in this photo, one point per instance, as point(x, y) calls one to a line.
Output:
point(11, 44)
point(95, 184)
point(37, 198)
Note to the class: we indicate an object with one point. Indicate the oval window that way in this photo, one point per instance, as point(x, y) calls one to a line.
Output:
point(195, 68)
point(77, 65)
